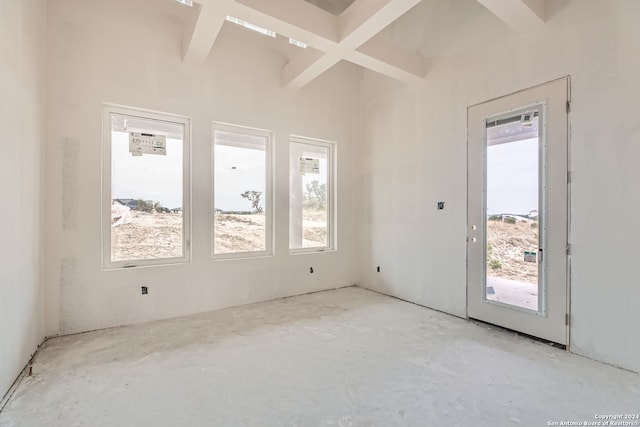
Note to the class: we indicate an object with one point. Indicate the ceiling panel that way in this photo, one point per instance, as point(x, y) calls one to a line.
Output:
point(440, 28)
point(335, 7)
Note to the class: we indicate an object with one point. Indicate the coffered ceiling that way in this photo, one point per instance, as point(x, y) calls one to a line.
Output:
point(338, 30)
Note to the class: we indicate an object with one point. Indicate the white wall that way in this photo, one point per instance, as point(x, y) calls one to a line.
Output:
point(130, 53)
point(415, 155)
point(21, 135)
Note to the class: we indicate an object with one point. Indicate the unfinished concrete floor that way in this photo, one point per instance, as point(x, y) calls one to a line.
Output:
point(348, 357)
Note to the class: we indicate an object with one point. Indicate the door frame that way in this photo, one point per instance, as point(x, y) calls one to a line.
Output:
point(551, 322)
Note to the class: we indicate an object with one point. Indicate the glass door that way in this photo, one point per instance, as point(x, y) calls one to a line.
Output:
point(514, 267)
point(518, 211)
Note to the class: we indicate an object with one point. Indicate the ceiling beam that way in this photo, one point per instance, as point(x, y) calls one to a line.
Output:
point(305, 67)
point(520, 15)
point(366, 18)
point(200, 37)
point(400, 64)
point(348, 36)
point(358, 24)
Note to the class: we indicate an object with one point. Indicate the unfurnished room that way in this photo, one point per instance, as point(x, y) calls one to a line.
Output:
point(319, 213)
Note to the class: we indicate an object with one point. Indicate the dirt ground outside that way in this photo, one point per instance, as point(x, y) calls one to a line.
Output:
point(314, 228)
point(154, 235)
point(239, 233)
point(159, 235)
point(147, 236)
point(506, 244)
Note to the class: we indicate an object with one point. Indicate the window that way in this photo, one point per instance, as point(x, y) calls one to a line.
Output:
point(311, 192)
point(145, 188)
point(253, 27)
point(241, 191)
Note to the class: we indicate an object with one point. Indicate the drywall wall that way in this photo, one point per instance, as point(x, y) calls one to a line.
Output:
point(414, 155)
point(130, 53)
point(21, 146)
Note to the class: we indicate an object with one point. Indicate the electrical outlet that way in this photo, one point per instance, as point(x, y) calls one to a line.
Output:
point(145, 290)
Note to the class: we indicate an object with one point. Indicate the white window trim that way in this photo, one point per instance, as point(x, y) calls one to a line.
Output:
point(269, 199)
point(331, 199)
point(109, 109)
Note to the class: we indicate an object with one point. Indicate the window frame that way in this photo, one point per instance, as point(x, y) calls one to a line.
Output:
point(269, 191)
point(332, 148)
point(107, 199)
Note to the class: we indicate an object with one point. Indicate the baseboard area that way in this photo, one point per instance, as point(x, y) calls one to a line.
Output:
point(25, 372)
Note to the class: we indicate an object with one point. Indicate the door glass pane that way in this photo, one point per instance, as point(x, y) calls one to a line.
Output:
point(512, 209)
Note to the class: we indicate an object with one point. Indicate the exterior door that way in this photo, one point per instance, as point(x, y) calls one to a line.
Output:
point(518, 211)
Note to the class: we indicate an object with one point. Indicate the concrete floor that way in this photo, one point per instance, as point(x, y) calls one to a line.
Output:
point(513, 292)
point(348, 357)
